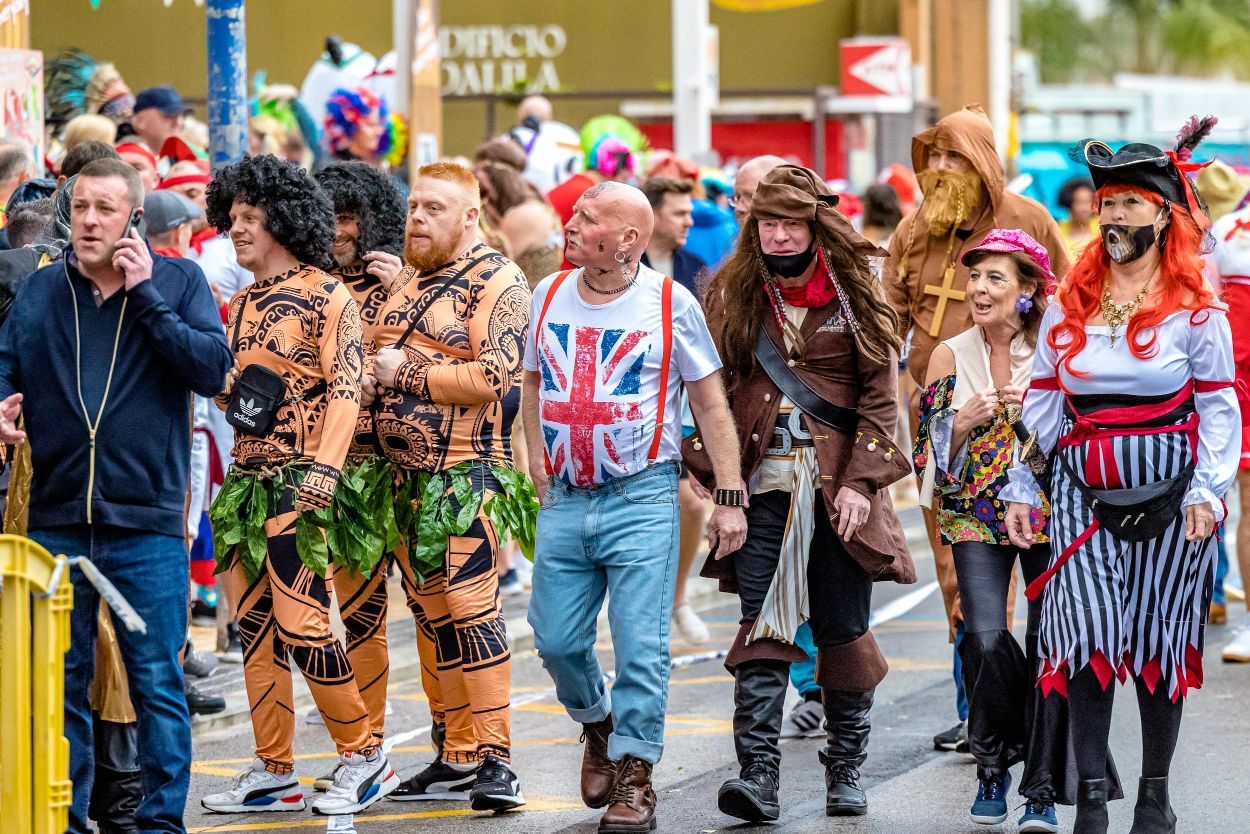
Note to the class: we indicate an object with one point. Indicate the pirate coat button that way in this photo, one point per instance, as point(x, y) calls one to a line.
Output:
point(872, 445)
point(697, 445)
point(755, 437)
point(790, 362)
point(768, 397)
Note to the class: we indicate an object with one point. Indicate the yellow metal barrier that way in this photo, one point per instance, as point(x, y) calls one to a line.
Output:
point(35, 602)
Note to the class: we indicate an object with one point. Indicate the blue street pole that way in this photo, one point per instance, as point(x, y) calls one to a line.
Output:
point(227, 81)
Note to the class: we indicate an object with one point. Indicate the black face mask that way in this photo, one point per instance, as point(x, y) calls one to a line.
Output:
point(1126, 244)
point(791, 266)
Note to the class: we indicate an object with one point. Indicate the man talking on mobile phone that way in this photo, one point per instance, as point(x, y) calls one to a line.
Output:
point(99, 358)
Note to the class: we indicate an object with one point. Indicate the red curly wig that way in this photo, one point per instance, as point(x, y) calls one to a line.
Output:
point(1080, 292)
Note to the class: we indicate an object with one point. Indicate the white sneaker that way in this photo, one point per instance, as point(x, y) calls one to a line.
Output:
point(256, 789)
point(693, 629)
point(1238, 651)
point(525, 570)
point(358, 783)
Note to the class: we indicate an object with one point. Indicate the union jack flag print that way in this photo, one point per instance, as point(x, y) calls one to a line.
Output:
point(591, 405)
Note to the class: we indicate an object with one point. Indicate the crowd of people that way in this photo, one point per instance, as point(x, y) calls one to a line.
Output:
point(257, 394)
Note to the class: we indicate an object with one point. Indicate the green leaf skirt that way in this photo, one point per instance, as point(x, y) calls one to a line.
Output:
point(430, 507)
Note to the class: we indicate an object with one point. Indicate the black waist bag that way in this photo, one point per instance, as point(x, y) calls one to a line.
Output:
point(254, 402)
point(1137, 514)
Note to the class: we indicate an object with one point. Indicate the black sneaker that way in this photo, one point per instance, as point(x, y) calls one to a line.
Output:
point(234, 646)
point(954, 740)
point(203, 614)
point(200, 704)
point(497, 788)
point(439, 781)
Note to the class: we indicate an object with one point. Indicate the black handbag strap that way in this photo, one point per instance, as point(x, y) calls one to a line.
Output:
point(238, 322)
point(438, 293)
point(845, 420)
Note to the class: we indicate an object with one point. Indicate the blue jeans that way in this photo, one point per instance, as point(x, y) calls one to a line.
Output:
point(620, 538)
point(803, 673)
point(961, 694)
point(1221, 568)
point(151, 572)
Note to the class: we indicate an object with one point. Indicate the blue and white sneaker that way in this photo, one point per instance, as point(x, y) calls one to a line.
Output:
point(1039, 818)
point(256, 789)
point(991, 805)
point(358, 783)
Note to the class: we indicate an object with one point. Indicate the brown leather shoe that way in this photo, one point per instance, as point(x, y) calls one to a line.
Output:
point(631, 805)
point(598, 771)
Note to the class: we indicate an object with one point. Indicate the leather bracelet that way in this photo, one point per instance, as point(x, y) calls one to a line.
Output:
point(729, 498)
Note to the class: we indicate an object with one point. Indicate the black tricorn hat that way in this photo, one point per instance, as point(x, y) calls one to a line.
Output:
point(1136, 164)
point(1150, 168)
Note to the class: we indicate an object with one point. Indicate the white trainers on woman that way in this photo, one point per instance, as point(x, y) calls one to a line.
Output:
point(693, 629)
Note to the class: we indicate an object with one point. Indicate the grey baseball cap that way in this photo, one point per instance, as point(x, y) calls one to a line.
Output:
point(167, 210)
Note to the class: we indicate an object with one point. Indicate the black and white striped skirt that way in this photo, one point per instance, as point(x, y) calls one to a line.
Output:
point(1126, 608)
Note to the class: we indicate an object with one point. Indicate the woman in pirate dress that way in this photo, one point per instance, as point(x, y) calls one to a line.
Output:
point(964, 449)
point(1131, 396)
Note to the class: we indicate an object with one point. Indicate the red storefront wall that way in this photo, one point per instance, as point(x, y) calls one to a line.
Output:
point(738, 141)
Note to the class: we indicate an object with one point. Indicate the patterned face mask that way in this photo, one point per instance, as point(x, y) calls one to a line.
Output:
point(1125, 243)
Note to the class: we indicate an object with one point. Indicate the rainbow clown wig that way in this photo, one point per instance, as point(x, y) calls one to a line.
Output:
point(346, 109)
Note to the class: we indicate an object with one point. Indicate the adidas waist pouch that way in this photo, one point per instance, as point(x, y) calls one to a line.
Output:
point(254, 402)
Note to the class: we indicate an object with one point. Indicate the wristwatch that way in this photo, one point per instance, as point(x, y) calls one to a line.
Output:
point(729, 498)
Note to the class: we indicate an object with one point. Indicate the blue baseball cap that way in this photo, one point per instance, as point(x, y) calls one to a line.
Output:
point(164, 98)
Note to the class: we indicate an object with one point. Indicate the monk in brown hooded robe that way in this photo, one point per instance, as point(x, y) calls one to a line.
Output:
point(965, 197)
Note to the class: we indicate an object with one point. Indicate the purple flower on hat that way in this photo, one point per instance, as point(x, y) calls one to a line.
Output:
point(1015, 240)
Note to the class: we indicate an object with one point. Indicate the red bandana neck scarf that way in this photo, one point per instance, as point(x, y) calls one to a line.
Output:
point(197, 239)
point(817, 292)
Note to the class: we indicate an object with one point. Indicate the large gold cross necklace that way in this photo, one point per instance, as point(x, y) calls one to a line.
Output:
point(1117, 315)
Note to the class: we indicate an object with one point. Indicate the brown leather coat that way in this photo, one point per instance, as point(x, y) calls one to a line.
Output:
point(867, 463)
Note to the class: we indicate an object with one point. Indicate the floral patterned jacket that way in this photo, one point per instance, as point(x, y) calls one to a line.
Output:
point(967, 483)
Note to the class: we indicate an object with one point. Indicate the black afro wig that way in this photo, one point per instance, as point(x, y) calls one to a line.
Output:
point(298, 213)
point(366, 193)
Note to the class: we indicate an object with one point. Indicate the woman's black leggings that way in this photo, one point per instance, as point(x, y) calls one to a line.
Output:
point(997, 674)
point(1089, 707)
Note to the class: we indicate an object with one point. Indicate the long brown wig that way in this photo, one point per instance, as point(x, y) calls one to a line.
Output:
point(739, 288)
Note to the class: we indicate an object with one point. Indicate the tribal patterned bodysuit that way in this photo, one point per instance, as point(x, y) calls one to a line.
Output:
point(303, 325)
point(455, 399)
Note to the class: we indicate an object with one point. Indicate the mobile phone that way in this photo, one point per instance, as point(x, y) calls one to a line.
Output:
point(136, 214)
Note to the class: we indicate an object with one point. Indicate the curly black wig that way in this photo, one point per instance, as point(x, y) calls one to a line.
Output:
point(297, 212)
point(366, 193)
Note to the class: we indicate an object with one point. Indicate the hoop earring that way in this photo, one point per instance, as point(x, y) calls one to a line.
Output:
point(620, 258)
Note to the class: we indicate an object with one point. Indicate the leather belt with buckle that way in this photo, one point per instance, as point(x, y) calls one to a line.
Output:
point(789, 434)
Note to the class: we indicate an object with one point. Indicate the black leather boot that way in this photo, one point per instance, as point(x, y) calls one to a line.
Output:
point(1153, 814)
point(846, 718)
point(759, 701)
point(1091, 808)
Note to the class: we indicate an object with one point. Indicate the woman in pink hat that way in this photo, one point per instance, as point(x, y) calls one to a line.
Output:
point(964, 449)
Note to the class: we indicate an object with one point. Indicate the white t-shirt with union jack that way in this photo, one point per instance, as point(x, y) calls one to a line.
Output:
point(600, 375)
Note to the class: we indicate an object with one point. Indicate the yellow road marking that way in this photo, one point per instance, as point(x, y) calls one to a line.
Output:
point(553, 804)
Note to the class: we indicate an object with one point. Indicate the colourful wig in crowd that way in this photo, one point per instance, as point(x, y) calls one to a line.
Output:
point(345, 110)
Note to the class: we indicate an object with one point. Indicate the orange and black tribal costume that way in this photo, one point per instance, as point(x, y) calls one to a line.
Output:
point(454, 401)
point(362, 599)
point(305, 326)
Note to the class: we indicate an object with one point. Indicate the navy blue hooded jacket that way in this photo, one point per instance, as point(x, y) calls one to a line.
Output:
point(171, 344)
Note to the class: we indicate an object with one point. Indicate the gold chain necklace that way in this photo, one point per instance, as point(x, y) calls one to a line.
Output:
point(1117, 315)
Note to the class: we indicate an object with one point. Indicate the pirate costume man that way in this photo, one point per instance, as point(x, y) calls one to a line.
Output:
point(812, 384)
point(1135, 411)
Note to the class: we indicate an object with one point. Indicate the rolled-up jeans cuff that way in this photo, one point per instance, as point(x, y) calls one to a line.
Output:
point(593, 714)
point(621, 746)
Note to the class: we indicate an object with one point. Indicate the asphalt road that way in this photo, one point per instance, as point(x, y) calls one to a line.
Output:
point(911, 788)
